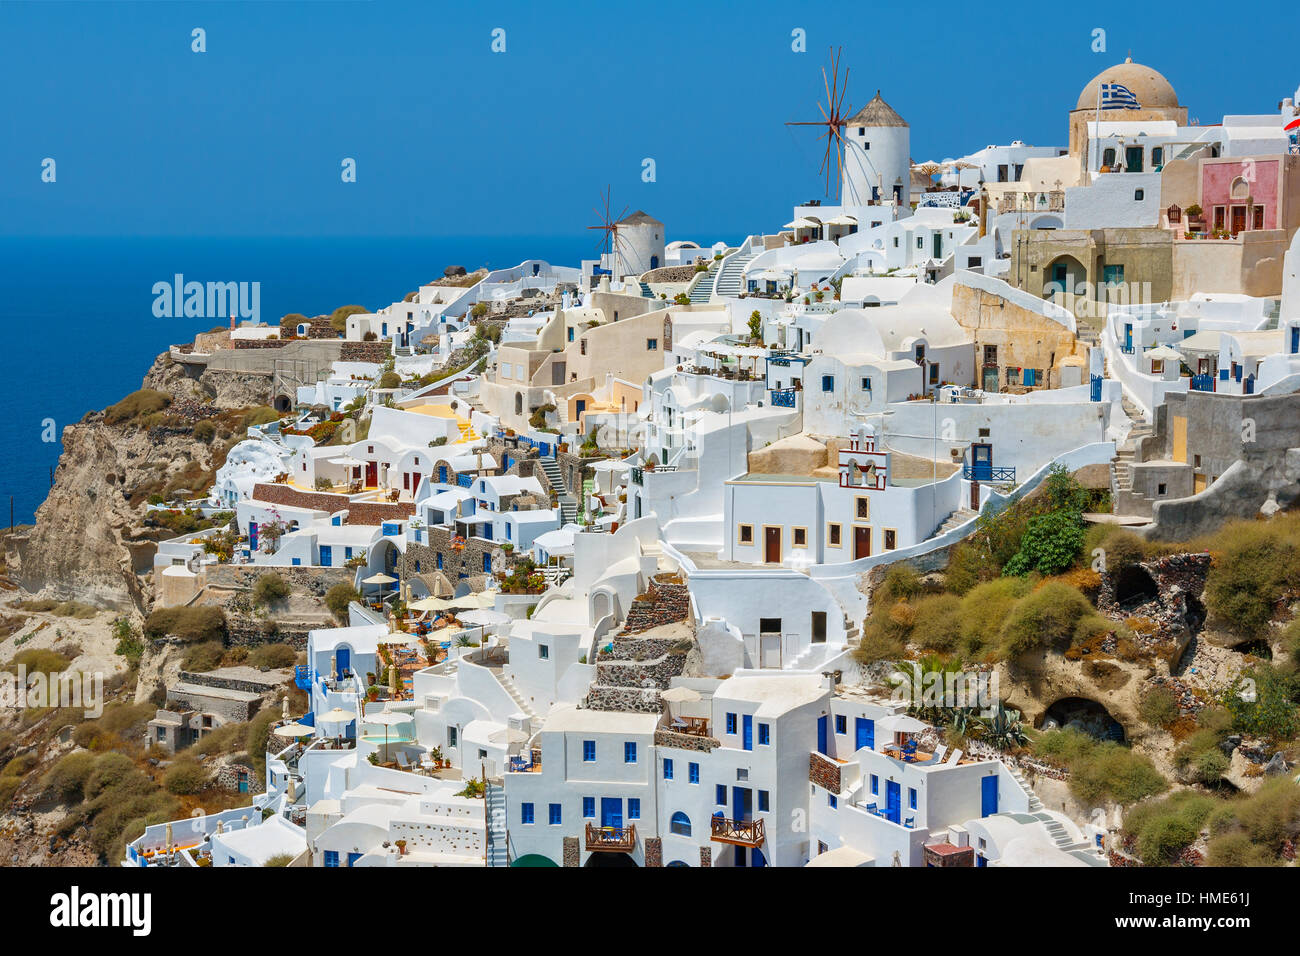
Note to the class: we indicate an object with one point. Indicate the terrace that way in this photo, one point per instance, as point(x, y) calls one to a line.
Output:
point(750, 833)
point(611, 839)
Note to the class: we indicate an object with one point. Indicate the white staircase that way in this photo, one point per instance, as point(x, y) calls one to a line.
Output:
point(525, 708)
point(702, 291)
point(498, 853)
point(954, 520)
point(732, 274)
point(1035, 805)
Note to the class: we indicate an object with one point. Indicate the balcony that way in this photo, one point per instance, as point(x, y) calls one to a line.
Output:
point(611, 839)
point(981, 472)
point(749, 833)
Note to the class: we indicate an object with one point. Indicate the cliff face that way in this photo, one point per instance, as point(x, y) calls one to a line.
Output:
point(88, 543)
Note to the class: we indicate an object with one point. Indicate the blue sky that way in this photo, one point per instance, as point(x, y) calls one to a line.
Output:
point(452, 139)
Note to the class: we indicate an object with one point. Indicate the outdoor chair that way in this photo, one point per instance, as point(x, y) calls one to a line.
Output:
point(910, 823)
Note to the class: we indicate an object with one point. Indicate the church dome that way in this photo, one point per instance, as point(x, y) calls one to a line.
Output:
point(1150, 87)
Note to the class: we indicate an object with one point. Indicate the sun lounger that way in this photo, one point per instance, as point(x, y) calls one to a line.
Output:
point(955, 758)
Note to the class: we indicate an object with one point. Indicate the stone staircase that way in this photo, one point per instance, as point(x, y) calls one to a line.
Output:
point(731, 275)
point(956, 519)
point(498, 853)
point(646, 291)
point(554, 477)
point(568, 509)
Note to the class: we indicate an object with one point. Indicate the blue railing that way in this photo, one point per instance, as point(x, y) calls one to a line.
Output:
point(1126, 349)
point(979, 472)
point(301, 677)
point(1202, 383)
point(465, 480)
point(783, 397)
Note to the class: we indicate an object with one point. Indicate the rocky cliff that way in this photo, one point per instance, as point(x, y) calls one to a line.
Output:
point(89, 543)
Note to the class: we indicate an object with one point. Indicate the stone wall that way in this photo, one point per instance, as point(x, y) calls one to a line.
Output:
point(457, 563)
point(824, 772)
point(365, 352)
point(254, 632)
point(311, 580)
point(626, 699)
point(665, 604)
point(273, 679)
point(359, 512)
point(571, 855)
point(671, 738)
point(654, 852)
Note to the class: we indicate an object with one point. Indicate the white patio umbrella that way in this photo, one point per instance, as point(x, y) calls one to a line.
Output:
point(385, 718)
point(484, 617)
point(294, 730)
point(680, 695)
point(431, 604)
point(379, 578)
point(347, 461)
point(1165, 353)
point(337, 716)
point(507, 735)
point(903, 724)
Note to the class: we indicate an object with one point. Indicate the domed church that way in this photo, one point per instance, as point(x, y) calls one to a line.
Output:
point(1153, 94)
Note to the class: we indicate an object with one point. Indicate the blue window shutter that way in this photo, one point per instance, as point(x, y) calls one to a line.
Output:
point(556, 816)
point(633, 808)
point(694, 771)
point(668, 768)
point(828, 383)
point(720, 795)
point(588, 807)
point(526, 813)
point(588, 750)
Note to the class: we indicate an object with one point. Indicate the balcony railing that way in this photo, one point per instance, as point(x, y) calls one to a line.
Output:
point(1202, 383)
point(611, 839)
point(783, 398)
point(738, 832)
point(987, 473)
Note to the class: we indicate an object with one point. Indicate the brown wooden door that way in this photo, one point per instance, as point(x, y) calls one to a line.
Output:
point(772, 545)
point(974, 496)
point(1238, 219)
point(372, 473)
point(861, 542)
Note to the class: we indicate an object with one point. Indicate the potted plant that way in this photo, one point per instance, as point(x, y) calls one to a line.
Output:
point(401, 847)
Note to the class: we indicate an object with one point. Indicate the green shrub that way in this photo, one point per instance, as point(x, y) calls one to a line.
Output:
point(339, 597)
point(966, 568)
point(1050, 544)
point(142, 402)
point(259, 415)
point(1256, 567)
point(1271, 815)
point(1236, 849)
point(110, 770)
point(204, 431)
point(226, 739)
point(984, 610)
point(67, 778)
point(272, 655)
point(39, 660)
point(185, 777)
point(1101, 770)
point(938, 622)
point(1045, 618)
point(259, 736)
point(190, 624)
point(901, 581)
point(270, 588)
point(339, 317)
point(1158, 707)
point(1268, 709)
point(280, 859)
point(8, 787)
point(203, 657)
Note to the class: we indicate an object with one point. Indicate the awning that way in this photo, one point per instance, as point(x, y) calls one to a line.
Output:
point(802, 224)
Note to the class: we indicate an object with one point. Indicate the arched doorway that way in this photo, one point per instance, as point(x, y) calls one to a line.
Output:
point(1063, 277)
point(282, 403)
point(1134, 585)
point(533, 860)
point(617, 860)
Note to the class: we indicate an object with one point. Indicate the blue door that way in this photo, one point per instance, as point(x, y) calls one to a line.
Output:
point(442, 474)
point(611, 812)
point(989, 795)
point(864, 733)
point(742, 807)
point(981, 462)
point(326, 556)
point(821, 735)
point(353, 857)
point(1128, 338)
point(756, 858)
point(1096, 388)
point(342, 661)
point(748, 731)
point(1295, 339)
point(252, 535)
point(893, 801)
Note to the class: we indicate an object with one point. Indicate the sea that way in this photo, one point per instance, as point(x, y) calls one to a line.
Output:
point(80, 329)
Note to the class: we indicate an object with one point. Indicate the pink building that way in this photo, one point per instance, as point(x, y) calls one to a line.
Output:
point(1251, 192)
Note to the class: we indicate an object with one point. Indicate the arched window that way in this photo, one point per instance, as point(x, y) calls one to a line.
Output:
point(680, 824)
point(519, 403)
point(1108, 157)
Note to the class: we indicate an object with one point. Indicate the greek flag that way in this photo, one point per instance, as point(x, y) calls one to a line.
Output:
point(1115, 96)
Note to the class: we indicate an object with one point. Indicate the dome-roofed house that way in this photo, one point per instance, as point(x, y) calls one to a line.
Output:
point(877, 156)
point(1155, 96)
